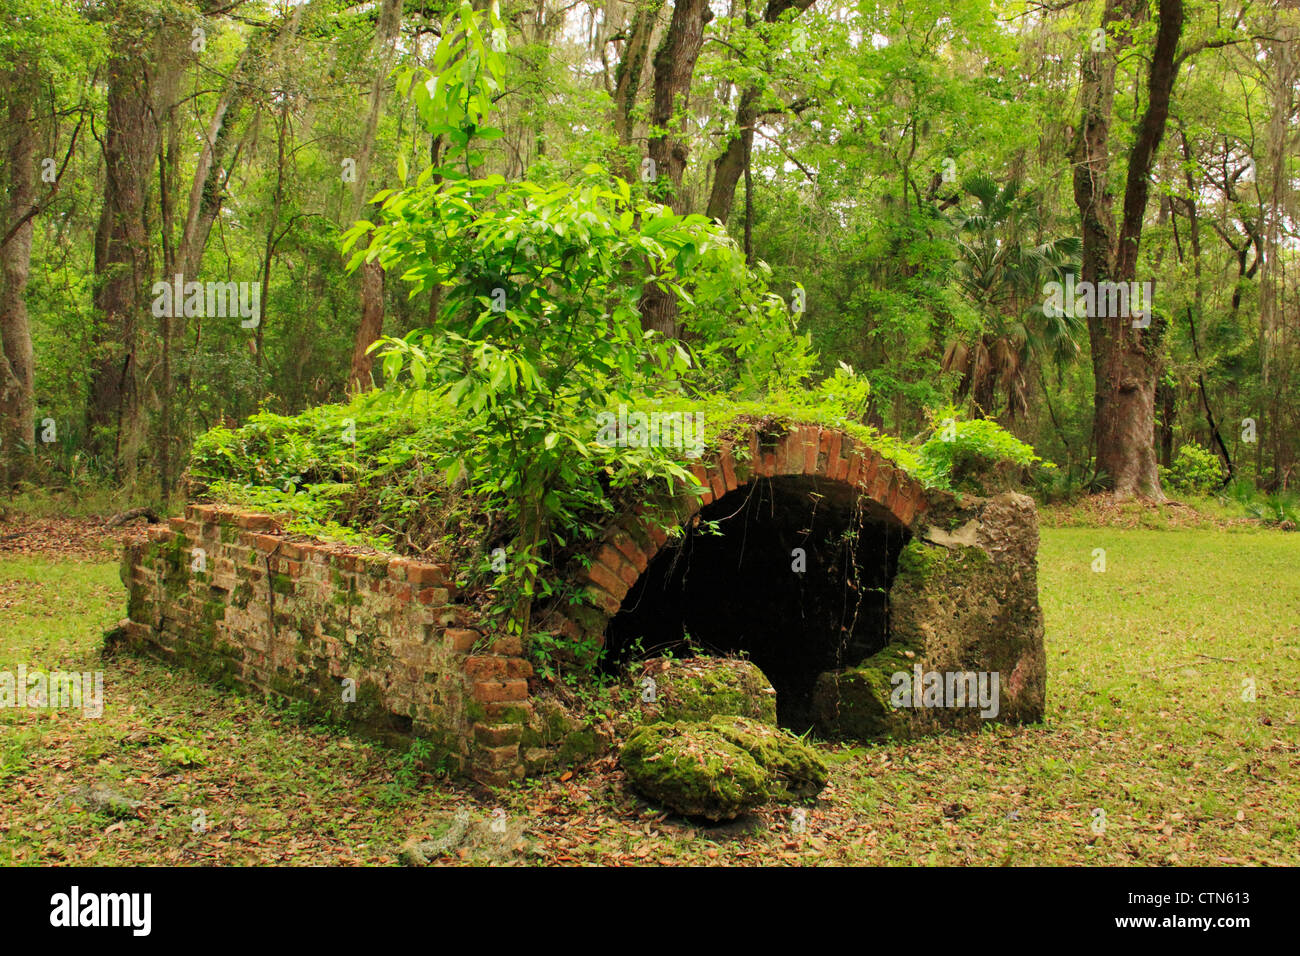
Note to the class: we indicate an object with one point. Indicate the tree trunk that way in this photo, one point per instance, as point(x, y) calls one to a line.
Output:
point(729, 166)
point(372, 323)
point(1125, 359)
point(372, 278)
point(17, 401)
point(1272, 285)
point(628, 73)
point(122, 256)
point(674, 64)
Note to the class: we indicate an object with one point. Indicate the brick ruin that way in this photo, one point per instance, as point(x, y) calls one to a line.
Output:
point(386, 644)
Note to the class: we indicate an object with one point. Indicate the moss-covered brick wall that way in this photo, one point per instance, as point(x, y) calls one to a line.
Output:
point(298, 618)
point(376, 641)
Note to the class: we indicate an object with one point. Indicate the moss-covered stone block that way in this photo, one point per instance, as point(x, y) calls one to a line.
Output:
point(703, 687)
point(964, 600)
point(794, 766)
point(694, 771)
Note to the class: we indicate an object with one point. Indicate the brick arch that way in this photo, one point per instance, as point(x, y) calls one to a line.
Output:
point(634, 539)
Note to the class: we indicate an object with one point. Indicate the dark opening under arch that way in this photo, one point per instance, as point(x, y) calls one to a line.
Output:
point(730, 585)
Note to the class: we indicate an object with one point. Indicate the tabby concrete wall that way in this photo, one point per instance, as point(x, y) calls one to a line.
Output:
point(377, 641)
point(964, 602)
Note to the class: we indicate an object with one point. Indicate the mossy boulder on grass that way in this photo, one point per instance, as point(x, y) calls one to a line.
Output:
point(694, 771)
point(702, 687)
point(720, 768)
point(792, 765)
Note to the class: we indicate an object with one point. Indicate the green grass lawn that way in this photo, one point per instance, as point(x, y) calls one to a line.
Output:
point(1149, 754)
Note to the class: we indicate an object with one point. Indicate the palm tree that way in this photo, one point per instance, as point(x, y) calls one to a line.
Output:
point(1002, 277)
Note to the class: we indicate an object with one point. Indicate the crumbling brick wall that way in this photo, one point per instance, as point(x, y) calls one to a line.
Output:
point(377, 641)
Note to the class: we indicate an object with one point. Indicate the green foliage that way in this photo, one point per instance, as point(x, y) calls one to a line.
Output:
point(910, 190)
point(845, 391)
point(539, 328)
point(1280, 508)
point(960, 447)
point(423, 758)
point(468, 70)
point(183, 755)
point(1196, 470)
point(343, 472)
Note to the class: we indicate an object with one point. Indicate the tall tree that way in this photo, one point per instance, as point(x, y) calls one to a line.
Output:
point(631, 67)
point(1125, 359)
point(372, 273)
point(17, 399)
point(140, 80)
point(674, 66)
point(734, 159)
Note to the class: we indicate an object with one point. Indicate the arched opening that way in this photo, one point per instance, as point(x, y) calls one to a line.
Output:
point(733, 583)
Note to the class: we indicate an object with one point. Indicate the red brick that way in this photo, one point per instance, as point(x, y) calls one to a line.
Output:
point(810, 439)
point(485, 667)
point(280, 565)
point(855, 468)
point(610, 556)
point(495, 690)
point(728, 465)
point(907, 511)
point(497, 735)
point(435, 596)
point(496, 778)
point(499, 757)
point(870, 465)
point(251, 521)
point(630, 550)
point(608, 580)
point(785, 455)
point(716, 483)
point(510, 645)
point(460, 639)
point(656, 533)
point(265, 542)
point(830, 446)
point(879, 489)
point(491, 667)
point(603, 600)
point(838, 468)
point(628, 572)
point(897, 495)
point(428, 575)
point(701, 492)
point(500, 711)
point(313, 551)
